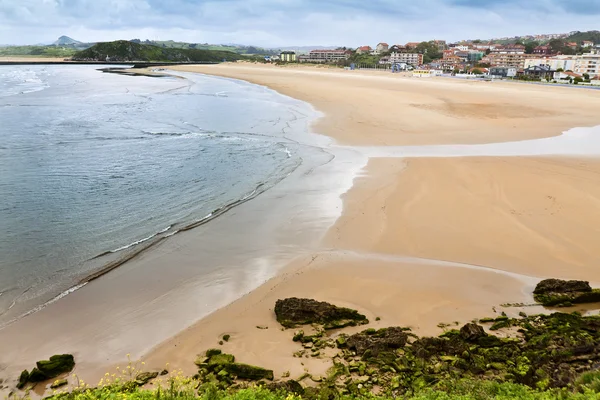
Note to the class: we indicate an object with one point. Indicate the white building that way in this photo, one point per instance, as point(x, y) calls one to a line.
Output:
point(588, 64)
point(406, 58)
point(557, 62)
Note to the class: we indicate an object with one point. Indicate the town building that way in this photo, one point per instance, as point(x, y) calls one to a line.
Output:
point(364, 50)
point(503, 72)
point(565, 63)
point(412, 45)
point(565, 75)
point(288, 56)
point(510, 49)
point(587, 44)
point(407, 58)
point(588, 63)
point(514, 60)
point(382, 48)
point(397, 48)
point(539, 72)
point(543, 50)
point(441, 44)
point(325, 56)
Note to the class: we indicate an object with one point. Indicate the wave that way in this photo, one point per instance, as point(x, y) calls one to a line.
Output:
point(140, 241)
point(44, 305)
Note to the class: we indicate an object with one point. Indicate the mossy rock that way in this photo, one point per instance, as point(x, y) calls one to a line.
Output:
point(56, 365)
point(23, 379)
point(294, 311)
point(289, 386)
point(249, 372)
point(221, 359)
point(59, 383)
point(145, 377)
point(37, 376)
point(213, 352)
point(557, 292)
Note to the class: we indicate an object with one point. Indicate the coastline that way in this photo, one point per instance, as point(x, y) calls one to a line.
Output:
point(336, 270)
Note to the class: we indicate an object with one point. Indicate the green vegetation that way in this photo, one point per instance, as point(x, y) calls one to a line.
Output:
point(123, 50)
point(430, 51)
point(246, 50)
point(37, 51)
point(579, 37)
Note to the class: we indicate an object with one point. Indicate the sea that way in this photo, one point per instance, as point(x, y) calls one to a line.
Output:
point(96, 166)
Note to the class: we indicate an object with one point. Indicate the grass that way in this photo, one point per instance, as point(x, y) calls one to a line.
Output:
point(180, 388)
point(37, 51)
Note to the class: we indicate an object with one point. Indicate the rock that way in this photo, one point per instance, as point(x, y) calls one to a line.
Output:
point(560, 286)
point(48, 369)
point(556, 292)
point(145, 377)
point(250, 372)
point(226, 337)
point(59, 383)
point(263, 327)
point(383, 340)
point(294, 311)
point(221, 359)
point(37, 376)
point(471, 332)
point(164, 372)
point(23, 379)
point(213, 352)
point(289, 386)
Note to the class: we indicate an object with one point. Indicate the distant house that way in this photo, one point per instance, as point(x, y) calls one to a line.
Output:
point(565, 75)
point(571, 45)
point(503, 72)
point(397, 48)
point(325, 56)
point(406, 58)
point(441, 44)
point(543, 50)
point(586, 44)
point(288, 56)
point(364, 50)
point(539, 71)
point(411, 45)
point(381, 48)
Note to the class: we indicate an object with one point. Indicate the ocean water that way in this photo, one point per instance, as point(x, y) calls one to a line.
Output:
point(95, 166)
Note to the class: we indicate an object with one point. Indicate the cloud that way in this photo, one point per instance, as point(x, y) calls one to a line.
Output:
point(289, 22)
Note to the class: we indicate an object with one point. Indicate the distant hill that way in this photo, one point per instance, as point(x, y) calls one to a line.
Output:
point(240, 49)
point(123, 50)
point(593, 36)
point(66, 41)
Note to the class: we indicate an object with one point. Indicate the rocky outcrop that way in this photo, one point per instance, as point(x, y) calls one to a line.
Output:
point(471, 332)
point(294, 311)
point(47, 369)
point(557, 292)
point(375, 342)
point(145, 377)
point(222, 368)
point(289, 386)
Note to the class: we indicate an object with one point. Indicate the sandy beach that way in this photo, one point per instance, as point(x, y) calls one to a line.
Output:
point(420, 240)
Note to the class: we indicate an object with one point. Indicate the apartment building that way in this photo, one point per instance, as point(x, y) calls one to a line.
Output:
point(324, 56)
point(514, 60)
point(588, 63)
point(407, 58)
point(566, 63)
point(287, 56)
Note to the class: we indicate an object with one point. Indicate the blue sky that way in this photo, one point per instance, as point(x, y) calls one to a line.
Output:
point(290, 22)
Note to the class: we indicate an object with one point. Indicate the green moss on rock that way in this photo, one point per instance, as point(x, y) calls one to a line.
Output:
point(294, 311)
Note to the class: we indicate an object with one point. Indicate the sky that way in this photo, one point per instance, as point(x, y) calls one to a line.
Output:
point(277, 23)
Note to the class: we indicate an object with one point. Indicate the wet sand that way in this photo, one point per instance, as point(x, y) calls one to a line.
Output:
point(420, 241)
point(385, 109)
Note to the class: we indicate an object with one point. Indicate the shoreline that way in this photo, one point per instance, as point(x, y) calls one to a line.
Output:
point(318, 270)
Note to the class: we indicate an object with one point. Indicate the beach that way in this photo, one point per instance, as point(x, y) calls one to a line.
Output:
point(415, 237)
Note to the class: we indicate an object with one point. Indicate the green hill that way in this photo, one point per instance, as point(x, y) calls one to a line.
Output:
point(123, 50)
point(579, 37)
